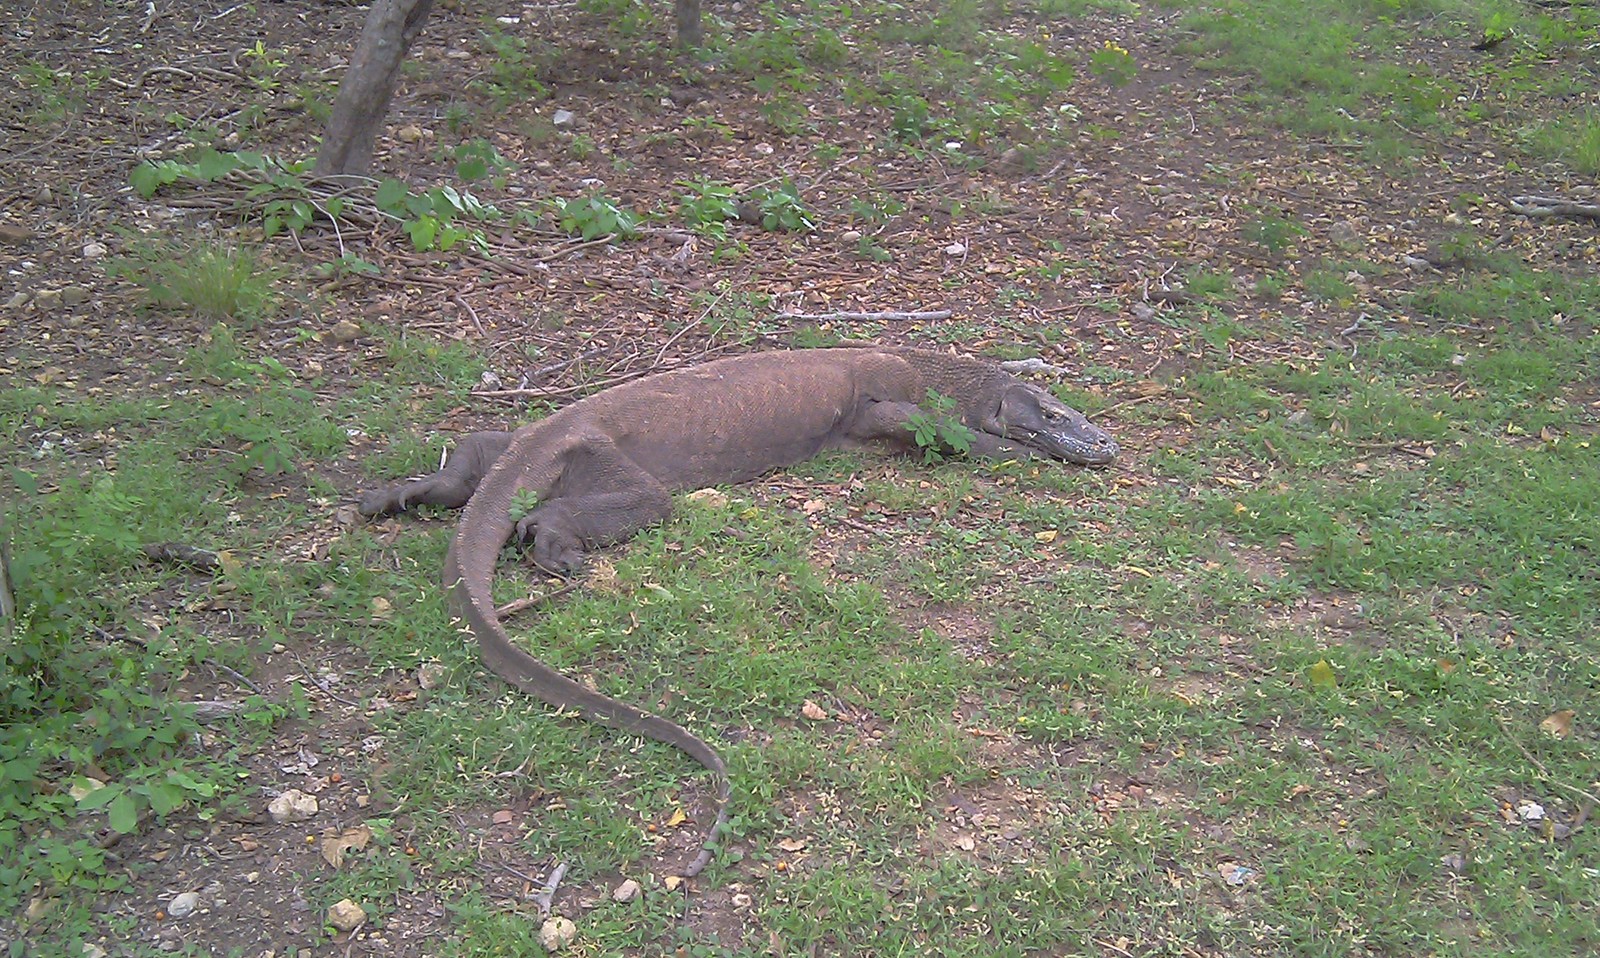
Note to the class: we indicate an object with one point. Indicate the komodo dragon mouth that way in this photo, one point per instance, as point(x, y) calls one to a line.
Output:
point(606, 467)
point(1034, 418)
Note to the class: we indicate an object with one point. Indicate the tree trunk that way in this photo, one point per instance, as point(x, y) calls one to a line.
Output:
point(358, 111)
point(689, 34)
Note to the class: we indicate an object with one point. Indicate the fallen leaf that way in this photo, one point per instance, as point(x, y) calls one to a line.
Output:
point(335, 844)
point(1048, 535)
point(792, 844)
point(813, 711)
point(678, 817)
point(1322, 675)
point(381, 607)
point(1559, 723)
point(503, 817)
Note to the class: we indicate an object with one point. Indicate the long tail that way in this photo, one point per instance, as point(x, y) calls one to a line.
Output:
point(469, 572)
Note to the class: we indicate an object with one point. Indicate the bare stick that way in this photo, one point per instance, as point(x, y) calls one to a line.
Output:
point(1553, 206)
point(912, 316)
point(543, 898)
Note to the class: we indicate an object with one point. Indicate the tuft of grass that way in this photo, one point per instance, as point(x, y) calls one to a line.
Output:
point(1575, 140)
point(210, 280)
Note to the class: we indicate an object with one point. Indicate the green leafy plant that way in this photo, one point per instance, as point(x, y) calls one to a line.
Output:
point(707, 205)
point(782, 209)
point(476, 159)
point(1113, 64)
point(523, 502)
point(594, 216)
point(935, 430)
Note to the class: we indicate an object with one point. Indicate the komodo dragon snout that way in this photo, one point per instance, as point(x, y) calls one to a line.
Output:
point(1038, 420)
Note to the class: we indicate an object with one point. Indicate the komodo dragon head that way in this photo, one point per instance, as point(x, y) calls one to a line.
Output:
point(1031, 417)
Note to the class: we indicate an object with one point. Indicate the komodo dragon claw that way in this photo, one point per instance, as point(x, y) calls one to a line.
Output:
point(606, 466)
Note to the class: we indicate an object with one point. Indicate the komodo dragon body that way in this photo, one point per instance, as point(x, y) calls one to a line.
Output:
point(606, 466)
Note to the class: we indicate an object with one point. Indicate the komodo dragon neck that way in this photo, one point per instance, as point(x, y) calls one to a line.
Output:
point(605, 467)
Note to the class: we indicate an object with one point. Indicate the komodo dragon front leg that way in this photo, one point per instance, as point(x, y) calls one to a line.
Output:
point(450, 487)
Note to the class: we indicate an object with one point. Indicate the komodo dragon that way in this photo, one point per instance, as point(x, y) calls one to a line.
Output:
point(606, 466)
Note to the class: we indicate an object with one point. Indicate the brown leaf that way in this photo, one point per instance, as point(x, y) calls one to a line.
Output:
point(1559, 723)
point(335, 844)
point(813, 711)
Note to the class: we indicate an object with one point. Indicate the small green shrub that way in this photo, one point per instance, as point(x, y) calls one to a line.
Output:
point(935, 430)
point(782, 209)
point(211, 280)
point(595, 216)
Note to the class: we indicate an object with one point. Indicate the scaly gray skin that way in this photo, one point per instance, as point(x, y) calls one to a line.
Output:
point(606, 467)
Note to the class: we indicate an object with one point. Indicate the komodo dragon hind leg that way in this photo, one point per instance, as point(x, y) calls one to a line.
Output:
point(450, 487)
point(602, 497)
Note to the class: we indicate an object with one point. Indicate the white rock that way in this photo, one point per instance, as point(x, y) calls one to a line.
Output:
point(91, 950)
point(292, 806)
point(955, 249)
point(346, 915)
point(182, 906)
point(557, 933)
point(563, 119)
point(94, 250)
point(627, 891)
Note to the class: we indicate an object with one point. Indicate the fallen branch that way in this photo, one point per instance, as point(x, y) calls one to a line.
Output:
point(544, 897)
point(1538, 206)
point(868, 317)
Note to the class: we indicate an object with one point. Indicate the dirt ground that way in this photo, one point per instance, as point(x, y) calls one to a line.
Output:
point(1164, 185)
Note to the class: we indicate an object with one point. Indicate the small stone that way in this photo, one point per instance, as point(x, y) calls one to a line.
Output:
point(292, 806)
point(557, 933)
point(1345, 233)
point(1530, 811)
point(19, 299)
point(346, 915)
point(94, 250)
point(253, 877)
point(74, 296)
point(182, 906)
point(410, 133)
point(430, 675)
point(93, 951)
point(48, 299)
point(850, 236)
point(627, 891)
point(43, 196)
point(1454, 863)
point(955, 249)
point(563, 119)
point(710, 497)
point(344, 331)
